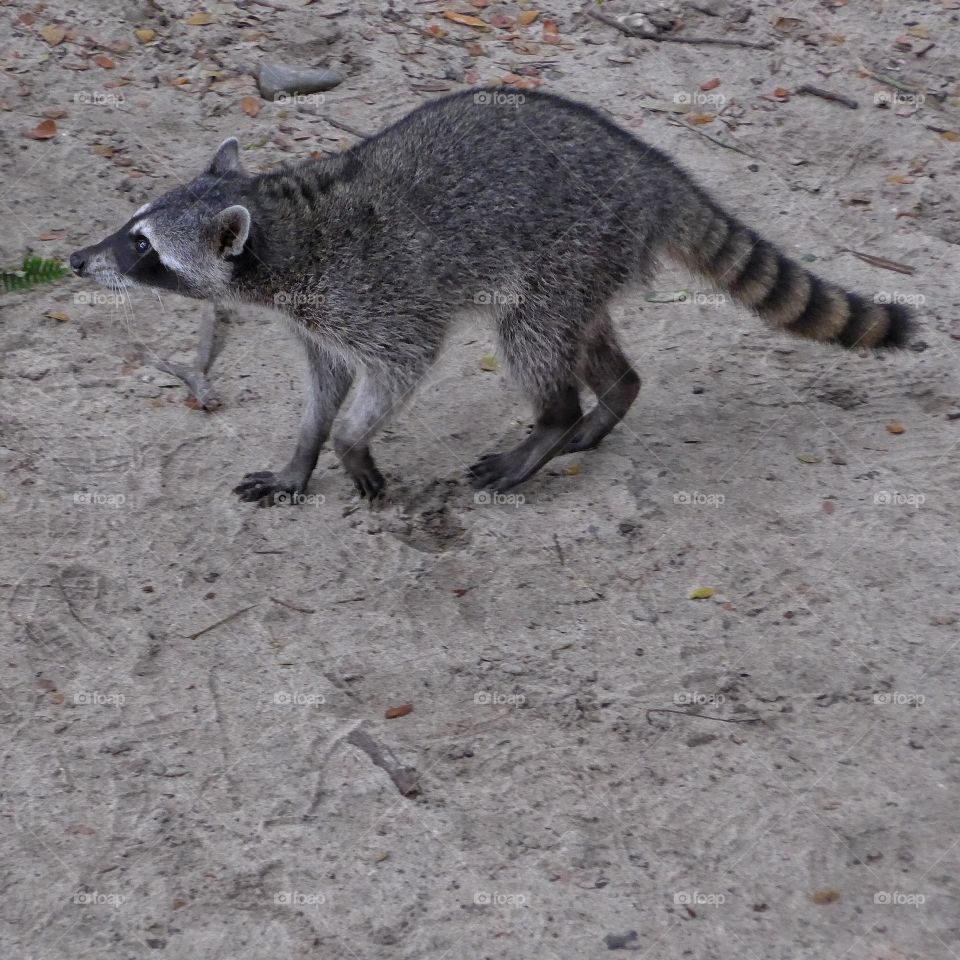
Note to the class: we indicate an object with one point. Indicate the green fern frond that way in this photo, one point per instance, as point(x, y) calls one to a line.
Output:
point(35, 270)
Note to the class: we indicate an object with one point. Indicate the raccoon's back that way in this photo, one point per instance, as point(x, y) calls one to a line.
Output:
point(486, 173)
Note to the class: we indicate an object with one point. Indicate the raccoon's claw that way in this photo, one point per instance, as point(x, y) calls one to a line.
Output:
point(364, 473)
point(370, 484)
point(493, 471)
point(267, 489)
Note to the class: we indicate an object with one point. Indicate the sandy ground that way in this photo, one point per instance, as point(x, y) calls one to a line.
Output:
point(185, 676)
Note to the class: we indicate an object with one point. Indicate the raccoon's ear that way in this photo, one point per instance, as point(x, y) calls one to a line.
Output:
point(226, 159)
point(231, 227)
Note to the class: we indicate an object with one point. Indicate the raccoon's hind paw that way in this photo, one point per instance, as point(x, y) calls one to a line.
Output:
point(364, 473)
point(267, 489)
point(493, 471)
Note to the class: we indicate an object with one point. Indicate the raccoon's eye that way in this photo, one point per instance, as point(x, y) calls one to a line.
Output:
point(141, 243)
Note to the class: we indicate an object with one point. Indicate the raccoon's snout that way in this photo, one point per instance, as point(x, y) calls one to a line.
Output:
point(78, 260)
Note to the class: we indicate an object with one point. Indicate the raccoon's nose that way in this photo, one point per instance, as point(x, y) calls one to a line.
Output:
point(78, 260)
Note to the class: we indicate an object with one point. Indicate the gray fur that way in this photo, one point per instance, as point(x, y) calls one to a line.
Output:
point(534, 207)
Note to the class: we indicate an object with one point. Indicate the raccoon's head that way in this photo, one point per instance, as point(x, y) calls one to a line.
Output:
point(184, 241)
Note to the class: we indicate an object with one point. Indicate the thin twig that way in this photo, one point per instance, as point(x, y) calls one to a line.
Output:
point(897, 84)
point(220, 623)
point(343, 125)
point(290, 606)
point(671, 38)
point(556, 543)
point(703, 716)
point(828, 95)
point(719, 143)
point(882, 262)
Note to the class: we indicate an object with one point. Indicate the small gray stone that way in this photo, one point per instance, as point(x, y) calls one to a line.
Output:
point(274, 78)
point(622, 941)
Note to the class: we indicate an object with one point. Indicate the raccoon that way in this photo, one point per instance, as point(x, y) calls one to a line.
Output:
point(534, 207)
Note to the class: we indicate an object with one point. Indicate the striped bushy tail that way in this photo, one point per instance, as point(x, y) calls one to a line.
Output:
point(782, 293)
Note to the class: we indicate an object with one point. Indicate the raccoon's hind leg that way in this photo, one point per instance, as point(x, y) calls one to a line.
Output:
point(328, 382)
point(540, 347)
point(557, 413)
point(608, 373)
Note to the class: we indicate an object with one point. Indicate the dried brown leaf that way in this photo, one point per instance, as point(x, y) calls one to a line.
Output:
point(44, 130)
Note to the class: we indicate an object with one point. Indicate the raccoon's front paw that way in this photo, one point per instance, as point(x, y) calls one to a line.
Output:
point(268, 488)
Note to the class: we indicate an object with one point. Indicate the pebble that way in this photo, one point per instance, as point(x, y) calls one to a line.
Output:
point(622, 941)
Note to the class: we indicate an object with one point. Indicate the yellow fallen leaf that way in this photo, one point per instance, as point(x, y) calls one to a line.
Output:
point(144, 34)
point(526, 17)
point(199, 20)
point(54, 315)
point(808, 458)
point(700, 118)
point(921, 33)
point(572, 469)
point(250, 105)
point(950, 135)
point(53, 35)
point(702, 593)
point(466, 19)
point(823, 897)
point(488, 363)
point(896, 426)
